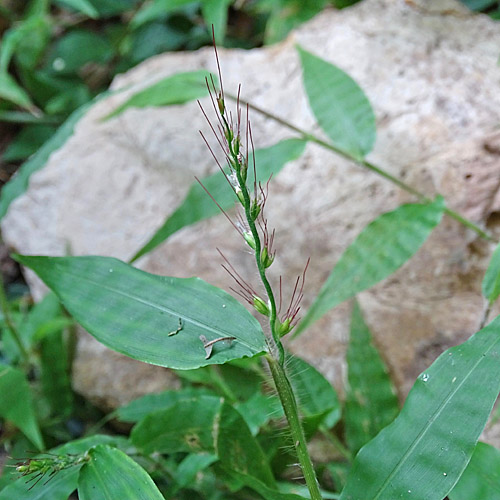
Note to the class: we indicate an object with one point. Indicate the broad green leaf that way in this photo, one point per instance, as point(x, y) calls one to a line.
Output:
point(35, 36)
point(68, 100)
point(19, 183)
point(33, 29)
point(210, 377)
point(55, 377)
point(191, 466)
point(479, 5)
point(339, 105)
point(259, 410)
point(57, 93)
point(110, 475)
point(16, 404)
point(190, 426)
point(107, 8)
point(215, 14)
point(83, 6)
point(79, 446)
point(424, 451)
point(28, 141)
point(198, 206)
point(234, 383)
point(139, 408)
point(315, 394)
point(371, 401)
point(11, 91)
point(157, 10)
point(481, 478)
point(491, 281)
point(381, 248)
point(133, 312)
point(204, 424)
point(241, 383)
point(176, 89)
point(154, 38)
point(342, 4)
point(266, 492)
point(36, 8)
point(64, 482)
point(285, 16)
point(238, 450)
point(77, 48)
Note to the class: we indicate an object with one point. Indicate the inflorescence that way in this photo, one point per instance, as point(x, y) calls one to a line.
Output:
point(253, 225)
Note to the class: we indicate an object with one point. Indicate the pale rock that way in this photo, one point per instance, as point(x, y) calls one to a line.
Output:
point(431, 75)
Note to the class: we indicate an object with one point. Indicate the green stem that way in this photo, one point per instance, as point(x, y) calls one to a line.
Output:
point(100, 424)
point(261, 268)
point(4, 306)
point(368, 165)
point(289, 404)
point(275, 359)
point(28, 118)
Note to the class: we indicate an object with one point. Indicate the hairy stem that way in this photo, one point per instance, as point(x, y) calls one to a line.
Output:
point(368, 165)
point(230, 141)
point(289, 404)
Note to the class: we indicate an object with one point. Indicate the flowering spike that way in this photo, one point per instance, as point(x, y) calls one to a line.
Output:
point(285, 327)
point(220, 208)
point(249, 239)
point(39, 467)
point(261, 306)
point(297, 296)
point(246, 291)
point(267, 259)
point(221, 105)
point(255, 209)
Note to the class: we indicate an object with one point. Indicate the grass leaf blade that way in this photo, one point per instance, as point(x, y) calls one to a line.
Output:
point(423, 453)
point(133, 312)
point(371, 401)
point(111, 474)
point(198, 206)
point(339, 104)
point(491, 281)
point(381, 248)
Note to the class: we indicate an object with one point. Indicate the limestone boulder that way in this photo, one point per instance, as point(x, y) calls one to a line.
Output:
point(432, 78)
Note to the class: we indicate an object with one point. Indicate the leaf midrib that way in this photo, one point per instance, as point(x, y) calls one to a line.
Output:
point(433, 418)
point(153, 305)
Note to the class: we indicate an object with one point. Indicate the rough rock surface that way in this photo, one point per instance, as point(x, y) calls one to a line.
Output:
point(432, 78)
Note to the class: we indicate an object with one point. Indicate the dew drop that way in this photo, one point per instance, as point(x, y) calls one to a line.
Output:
point(425, 377)
point(111, 270)
point(223, 306)
point(454, 380)
point(59, 64)
point(444, 474)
